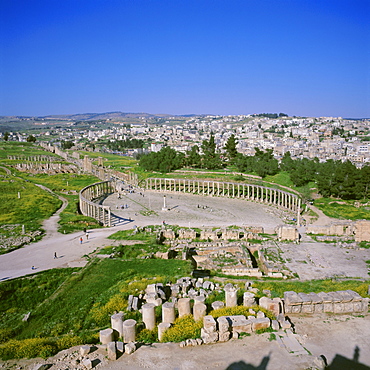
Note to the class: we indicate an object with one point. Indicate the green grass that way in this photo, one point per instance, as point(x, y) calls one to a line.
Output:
point(23, 203)
point(70, 219)
point(21, 149)
point(337, 208)
point(113, 161)
point(78, 302)
point(147, 245)
point(282, 178)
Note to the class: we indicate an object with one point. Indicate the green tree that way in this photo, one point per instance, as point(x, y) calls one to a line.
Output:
point(193, 158)
point(230, 148)
point(31, 139)
point(66, 144)
point(210, 158)
point(265, 163)
point(6, 136)
point(166, 160)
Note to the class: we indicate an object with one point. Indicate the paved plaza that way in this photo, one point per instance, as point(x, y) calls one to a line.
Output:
point(190, 210)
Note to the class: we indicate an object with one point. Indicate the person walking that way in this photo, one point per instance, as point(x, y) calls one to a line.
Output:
point(87, 236)
point(81, 240)
point(55, 255)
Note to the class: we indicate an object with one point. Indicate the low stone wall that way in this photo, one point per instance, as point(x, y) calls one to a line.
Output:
point(359, 230)
point(341, 302)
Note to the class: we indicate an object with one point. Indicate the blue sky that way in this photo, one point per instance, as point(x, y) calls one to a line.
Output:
point(309, 58)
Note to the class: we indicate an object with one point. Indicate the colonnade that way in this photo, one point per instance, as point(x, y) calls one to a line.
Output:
point(91, 209)
point(255, 193)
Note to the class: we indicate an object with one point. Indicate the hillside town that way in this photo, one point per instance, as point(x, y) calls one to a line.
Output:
point(304, 137)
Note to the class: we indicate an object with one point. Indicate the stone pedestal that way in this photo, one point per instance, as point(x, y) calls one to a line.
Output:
point(129, 331)
point(183, 305)
point(162, 327)
point(199, 299)
point(117, 324)
point(231, 295)
point(199, 310)
point(217, 304)
point(148, 315)
point(249, 299)
point(106, 336)
point(168, 312)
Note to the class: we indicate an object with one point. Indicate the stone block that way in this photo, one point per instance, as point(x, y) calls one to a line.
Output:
point(327, 302)
point(135, 303)
point(224, 324)
point(275, 325)
point(259, 324)
point(84, 350)
point(151, 288)
point(224, 337)
point(111, 349)
point(270, 304)
point(120, 347)
point(362, 231)
point(287, 232)
point(260, 315)
point(239, 324)
point(306, 303)
point(130, 348)
point(286, 324)
point(87, 363)
point(208, 338)
point(292, 302)
point(209, 324)
point(317, 302)
point(129, 303)
point(249, 299)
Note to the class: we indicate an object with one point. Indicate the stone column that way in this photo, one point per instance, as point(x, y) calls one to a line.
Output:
point(231, 295)
point(199, 310)
point(168, 312)
point(162, 327)
point(199, 299)
point(148, 315)
point(129, 331)
point(117, 323)
point(106, 336)
point(183, 305)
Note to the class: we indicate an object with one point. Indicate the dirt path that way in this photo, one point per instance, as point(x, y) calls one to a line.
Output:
point(51, 224)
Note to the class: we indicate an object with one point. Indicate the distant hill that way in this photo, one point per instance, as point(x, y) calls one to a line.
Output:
point(103, 116)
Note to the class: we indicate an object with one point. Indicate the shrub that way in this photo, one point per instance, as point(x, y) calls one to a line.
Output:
point(28, 348)
point(6, 334)
point(68, 341)
point(240, 310)
point(148, 336)
point(183, 328)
